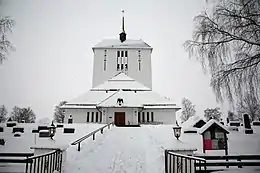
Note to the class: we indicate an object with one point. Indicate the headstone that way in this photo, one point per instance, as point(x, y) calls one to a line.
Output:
point(42, 128)
point(44, 133)
point(234, 123)
point(11, 124)
point(68, 130)
point(35, 131)
point(256, 123)
point(2, 142)
point(227, 120)
point(247, 124)
point(17, 134)
point(1, 129)
point(60, 125)
point(18, 129)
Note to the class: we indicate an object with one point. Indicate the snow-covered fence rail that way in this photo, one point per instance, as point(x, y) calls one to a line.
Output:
point(179, 163)
point(232, 160)
point(101, 129)
point(44, 163)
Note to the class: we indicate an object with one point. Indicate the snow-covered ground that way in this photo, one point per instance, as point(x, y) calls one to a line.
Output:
point(141, 150)
point(124, 149)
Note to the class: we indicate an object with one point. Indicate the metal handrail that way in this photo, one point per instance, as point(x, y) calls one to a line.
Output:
point(16, 154)
point(78, 141)
point(47, 162)
point(175, 163)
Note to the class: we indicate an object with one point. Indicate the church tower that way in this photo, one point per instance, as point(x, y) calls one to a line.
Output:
point(132, 57)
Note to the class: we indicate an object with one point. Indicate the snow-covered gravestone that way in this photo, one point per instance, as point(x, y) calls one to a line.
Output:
point(247, 125)
point(227, 120)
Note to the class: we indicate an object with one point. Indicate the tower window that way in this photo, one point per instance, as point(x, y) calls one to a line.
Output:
point(105, 60)
point(122, 60)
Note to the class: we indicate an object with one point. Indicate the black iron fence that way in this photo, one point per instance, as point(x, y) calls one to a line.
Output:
point(101, 129)
point(232, 160)
point(43, 163)
point(179, 163)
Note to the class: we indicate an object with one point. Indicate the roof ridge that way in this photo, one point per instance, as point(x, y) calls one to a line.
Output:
point(108, 97)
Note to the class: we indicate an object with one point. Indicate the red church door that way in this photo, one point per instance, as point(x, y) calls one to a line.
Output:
point(119, 118)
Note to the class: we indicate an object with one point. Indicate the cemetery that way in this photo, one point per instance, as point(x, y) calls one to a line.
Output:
point(214, 147)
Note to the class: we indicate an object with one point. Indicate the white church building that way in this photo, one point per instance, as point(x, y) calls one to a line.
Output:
point(122, 87)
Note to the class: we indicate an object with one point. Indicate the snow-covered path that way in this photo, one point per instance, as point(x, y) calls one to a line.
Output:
point(119, 150)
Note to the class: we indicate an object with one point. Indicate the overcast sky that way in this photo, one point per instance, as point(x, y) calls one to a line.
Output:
point(53, 60)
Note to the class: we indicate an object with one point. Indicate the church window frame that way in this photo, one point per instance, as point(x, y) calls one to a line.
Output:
point(139, 60)
point(105, 60)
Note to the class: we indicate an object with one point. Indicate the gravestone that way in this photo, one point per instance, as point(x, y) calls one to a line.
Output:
point(68, 130)
point(256, 123)
point(35, 131)
point(60, 125)
point(43, 128)
point(221, 121)
point(227, 120)
point(17, 134)
point(11, 123)
point(44, 134)
point(1, 129)
point(18, 129)
point(2, 142)
point(247, 125)
point(234, 123)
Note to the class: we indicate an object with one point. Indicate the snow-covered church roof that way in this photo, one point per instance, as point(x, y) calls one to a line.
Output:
point(132, 92)
point(121, 81)
point(116, 43)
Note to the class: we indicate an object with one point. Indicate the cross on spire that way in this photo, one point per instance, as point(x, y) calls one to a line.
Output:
point(122, 35)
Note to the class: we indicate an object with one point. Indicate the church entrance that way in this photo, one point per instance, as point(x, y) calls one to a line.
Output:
point(119, 118)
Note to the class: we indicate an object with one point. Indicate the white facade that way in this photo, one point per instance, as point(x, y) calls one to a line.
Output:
point(122, 87)
point(134, 57)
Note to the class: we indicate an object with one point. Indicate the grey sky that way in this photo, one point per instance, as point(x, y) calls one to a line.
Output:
point(53, 58)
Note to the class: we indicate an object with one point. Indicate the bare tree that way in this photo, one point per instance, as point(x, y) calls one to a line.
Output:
point(249, 105)
point(227, 42)
point(23, 114)
point(58, 113)
point(212, 113)
point(6, 25)
point(3, 113)
point(188, 109)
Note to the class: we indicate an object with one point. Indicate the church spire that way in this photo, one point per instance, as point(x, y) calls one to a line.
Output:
point(122, 35)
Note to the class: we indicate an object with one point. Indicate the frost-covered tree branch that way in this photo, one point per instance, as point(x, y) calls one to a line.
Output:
point(227, 42)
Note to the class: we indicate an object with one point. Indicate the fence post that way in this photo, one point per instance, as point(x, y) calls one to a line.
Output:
point(101, 131)
point(239, 165)
point(166, 161)
point(26, 166)
point(94, 136)
point(79, 146)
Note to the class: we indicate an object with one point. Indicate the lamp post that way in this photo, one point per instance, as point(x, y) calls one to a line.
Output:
point(52, 130)
point(177, 131)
